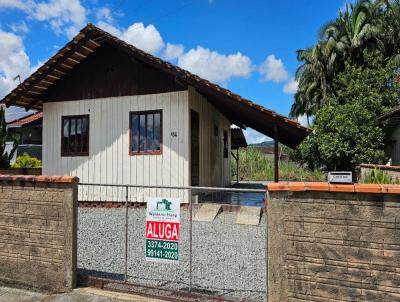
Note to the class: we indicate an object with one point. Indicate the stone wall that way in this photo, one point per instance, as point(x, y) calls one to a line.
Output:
point(38, 232)
point(333, 242)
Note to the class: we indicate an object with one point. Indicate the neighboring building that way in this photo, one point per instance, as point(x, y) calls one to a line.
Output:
point(114, 114)
point(391, 124)
point(28, 131)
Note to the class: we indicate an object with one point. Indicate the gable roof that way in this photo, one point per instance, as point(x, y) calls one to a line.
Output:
point(26, 121)
point(237, 109)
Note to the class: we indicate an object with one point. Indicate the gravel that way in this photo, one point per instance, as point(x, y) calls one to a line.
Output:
point(228, 259)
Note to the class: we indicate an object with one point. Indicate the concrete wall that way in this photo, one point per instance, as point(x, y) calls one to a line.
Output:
point(38, 232)
point(333, 242)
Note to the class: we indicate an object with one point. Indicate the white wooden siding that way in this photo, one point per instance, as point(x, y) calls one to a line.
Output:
point(215, 170)
point(109, 161)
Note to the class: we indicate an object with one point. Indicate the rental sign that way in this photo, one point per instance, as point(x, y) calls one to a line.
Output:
point(162, 229)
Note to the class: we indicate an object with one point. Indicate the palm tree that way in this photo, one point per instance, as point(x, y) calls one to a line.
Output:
point(356, 28)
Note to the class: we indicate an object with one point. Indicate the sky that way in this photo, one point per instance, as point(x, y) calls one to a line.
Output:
point(247, 46)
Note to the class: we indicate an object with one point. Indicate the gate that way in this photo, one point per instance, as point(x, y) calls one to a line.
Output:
point(219, 260)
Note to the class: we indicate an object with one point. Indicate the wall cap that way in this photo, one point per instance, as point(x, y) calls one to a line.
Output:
point(327, 187)
point(40, 178)
point(380, 167)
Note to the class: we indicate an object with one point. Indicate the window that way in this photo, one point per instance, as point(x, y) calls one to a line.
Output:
point(75, 135)
point(145, 132)
point(226, 149)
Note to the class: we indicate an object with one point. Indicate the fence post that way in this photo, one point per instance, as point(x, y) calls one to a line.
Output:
point(126, 233)
point(190, 238)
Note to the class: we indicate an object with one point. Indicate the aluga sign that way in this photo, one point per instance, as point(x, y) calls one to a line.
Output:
point(162, 229)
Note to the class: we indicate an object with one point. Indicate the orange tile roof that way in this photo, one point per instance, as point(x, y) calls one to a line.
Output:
point(26, 120)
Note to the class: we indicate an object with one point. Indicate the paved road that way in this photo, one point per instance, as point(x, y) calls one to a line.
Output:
point(8, 294)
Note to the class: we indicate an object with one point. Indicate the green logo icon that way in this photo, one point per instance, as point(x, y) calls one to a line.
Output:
point(164, 205)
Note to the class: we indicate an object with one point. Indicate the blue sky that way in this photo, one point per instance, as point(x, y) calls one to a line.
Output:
point(246, 46)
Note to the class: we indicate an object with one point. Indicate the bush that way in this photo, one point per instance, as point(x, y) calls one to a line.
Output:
point(27, 161)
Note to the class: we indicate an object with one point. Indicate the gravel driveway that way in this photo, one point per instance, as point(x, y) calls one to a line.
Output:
point(228, 259)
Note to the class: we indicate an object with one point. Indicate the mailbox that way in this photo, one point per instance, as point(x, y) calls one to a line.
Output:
point(343, 177)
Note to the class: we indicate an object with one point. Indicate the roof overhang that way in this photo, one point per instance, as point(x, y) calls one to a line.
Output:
point(237, 109)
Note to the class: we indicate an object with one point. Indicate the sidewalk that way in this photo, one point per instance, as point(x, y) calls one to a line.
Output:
point(85, 294)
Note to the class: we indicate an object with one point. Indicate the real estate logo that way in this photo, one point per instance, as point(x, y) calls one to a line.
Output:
point(162, 229)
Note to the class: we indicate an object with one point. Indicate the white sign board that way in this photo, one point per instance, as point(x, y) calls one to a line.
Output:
point(162, 229)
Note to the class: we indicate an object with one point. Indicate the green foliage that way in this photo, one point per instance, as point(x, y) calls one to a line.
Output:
point(5, 157)
point(372, 25)
point(27, 161)
point(346, 132)
point(378, 176)
point(254, 165)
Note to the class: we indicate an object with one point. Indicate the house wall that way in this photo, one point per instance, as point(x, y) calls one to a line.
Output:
point(215, 170)
point(109, 161)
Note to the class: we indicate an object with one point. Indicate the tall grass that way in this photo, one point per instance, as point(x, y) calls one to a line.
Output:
point(378, 176)
point(254, 165)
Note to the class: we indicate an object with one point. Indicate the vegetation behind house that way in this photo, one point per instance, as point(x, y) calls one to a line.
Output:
point(254, 165)
point(346, 81)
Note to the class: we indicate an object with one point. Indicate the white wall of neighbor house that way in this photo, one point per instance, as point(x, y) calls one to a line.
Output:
point(109, 161)
point(215, 170)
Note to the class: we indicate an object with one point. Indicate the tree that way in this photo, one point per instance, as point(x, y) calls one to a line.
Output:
point(346, 130)
point(372, 25)
point(5, 137)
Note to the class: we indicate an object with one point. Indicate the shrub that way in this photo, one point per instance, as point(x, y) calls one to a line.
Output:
point(27, 161)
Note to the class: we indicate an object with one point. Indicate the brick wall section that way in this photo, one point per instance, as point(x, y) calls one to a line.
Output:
point(38, 231)
point(333, 242)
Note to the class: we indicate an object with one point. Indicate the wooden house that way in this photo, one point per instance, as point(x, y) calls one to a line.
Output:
point(114, 114)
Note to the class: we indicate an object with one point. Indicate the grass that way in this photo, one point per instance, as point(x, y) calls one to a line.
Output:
point(254, 165)
point(378, 176)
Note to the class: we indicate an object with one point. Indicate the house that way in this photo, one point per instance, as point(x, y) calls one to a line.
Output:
point(28, 132)
point(114, 114)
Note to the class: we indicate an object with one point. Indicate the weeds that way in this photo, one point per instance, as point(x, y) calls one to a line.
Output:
point(254, 165)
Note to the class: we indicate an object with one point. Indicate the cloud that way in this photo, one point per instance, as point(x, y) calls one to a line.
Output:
point(214, 66)
point(104, 14)
point(173, 51)
point(24, 5)
point(146, 38)
point(20, 27)
point(64, 16)
point(13, 61)
point(291, 86)
point(273, 69)
point(255, 137)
